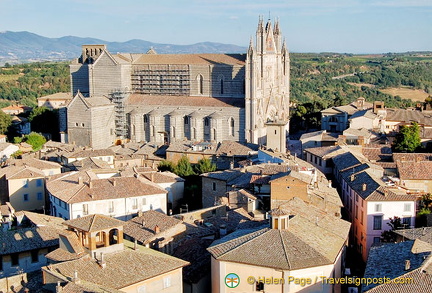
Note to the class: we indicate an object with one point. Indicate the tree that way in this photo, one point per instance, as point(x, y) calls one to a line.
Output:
point(395, 224)
point(204, 166)
point(44, 120)
point(184, 167)
point(408, 138)
point(166, 165)
point(5, 122)
point(36, 140)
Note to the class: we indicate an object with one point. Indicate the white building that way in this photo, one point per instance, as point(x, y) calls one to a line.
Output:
point(76, 194)
point(369, 203)
point(297, 246)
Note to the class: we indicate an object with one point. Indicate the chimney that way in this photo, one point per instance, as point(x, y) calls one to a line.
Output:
point(231, 165)
point(330, 184)
point(135, 245)
point(102, 262)
point(364, 187)
point(152, 176)
point(75, 278)
point(80, 180)
point(90, 183)
point(59, 288)
point(352, 177)
point(407, 264)
point(222, 230)
point(156, 229)
point(113, 182)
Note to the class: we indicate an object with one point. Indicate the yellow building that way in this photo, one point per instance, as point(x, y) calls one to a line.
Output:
point(93, 254)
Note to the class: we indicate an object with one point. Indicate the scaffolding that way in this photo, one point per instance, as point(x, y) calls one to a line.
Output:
point(160, 79)
point(118, 97)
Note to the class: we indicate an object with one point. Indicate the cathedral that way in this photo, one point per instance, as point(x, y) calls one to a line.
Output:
point(162, 98)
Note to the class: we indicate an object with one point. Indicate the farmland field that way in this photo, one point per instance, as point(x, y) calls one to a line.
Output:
point(5, 78)
point(407, 93)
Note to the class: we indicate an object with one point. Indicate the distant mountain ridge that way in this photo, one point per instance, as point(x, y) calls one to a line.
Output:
point(19, 47)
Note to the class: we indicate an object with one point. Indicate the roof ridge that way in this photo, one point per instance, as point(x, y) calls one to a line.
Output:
point(285, 251)
point(246, 240)
point(92, 222)
point(73, 195)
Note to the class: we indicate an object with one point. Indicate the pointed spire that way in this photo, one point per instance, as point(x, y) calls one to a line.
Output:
point(284, 46)
point(268, 26)
point(276, 27)
point(251, 48)
point(260, 28)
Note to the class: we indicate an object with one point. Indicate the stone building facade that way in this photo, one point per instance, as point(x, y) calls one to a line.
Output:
point(169, 97)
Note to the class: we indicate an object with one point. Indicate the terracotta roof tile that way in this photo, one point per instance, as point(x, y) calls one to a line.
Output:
point(161, 100)
point(143, 228)
point(414, 170)
point(123, 268)
point(93, 223)
point(70, 189)
point(186, 59)
point(27, 239)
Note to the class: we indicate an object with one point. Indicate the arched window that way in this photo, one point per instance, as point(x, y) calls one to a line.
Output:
point(186, 120)
point(231, 126)
point(221, 86)
point(200, 81)
point(206, 121)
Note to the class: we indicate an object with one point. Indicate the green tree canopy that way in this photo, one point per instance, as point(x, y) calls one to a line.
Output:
point(184, 167)
point(44, 120)
point(5, 122)
point(166, 165)
point(204, 166)
point(36, 140)
point(395, 224)
point(408, 138)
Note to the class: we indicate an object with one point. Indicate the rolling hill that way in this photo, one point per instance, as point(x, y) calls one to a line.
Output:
point(19, 47)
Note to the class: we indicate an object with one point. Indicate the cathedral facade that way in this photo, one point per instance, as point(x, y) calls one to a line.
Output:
point(167, 97)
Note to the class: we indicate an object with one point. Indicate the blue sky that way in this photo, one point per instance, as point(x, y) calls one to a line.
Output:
point(351, 26)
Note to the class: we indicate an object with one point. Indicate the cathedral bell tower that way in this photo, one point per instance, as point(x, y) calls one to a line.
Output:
point(267, 81)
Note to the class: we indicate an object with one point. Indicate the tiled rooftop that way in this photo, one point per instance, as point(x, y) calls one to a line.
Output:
point(233, 148)
point(90, 153)
point(184, 101)
point(412, 157)
point(377, 152)
point(304, 244)
point(93, 223)
point(90, 163)
point(388, 260)
point(186, 59)
point(26, 239)
point(82, 186)
point(412, 170)
point(142, 228)
point(408, 116)
point(123, 268)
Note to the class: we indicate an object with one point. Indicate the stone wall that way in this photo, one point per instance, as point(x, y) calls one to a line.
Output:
point(212, 191)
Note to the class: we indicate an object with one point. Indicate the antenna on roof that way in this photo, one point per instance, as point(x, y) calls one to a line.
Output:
point(269, 15)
